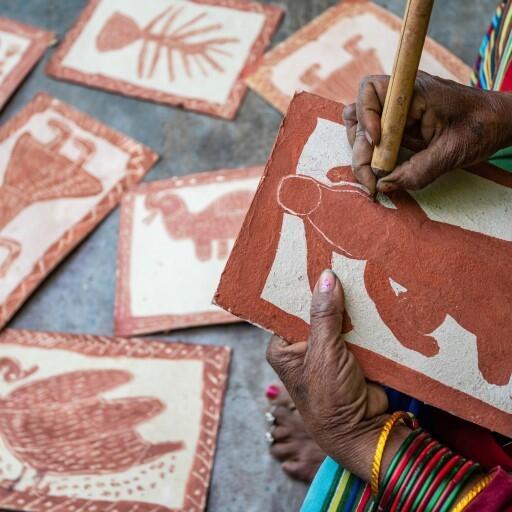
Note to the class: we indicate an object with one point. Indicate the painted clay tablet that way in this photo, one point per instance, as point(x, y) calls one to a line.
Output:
point(426, 276)
point(21, 46)
point(331, 55)
point(101, 424)
point(190, 54)
point(61, 172)
point(175, 238)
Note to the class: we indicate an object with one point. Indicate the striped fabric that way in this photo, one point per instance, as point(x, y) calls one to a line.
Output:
point(493, 69)
point(337, 490)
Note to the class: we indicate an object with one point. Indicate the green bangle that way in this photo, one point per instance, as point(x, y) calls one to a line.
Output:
point(450, 501)
point(431, 477)
point(396, 459)
point(417, 473)
point(439, 491)
point(406, 470)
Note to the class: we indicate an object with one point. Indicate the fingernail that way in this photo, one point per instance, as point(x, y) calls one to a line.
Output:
point(387, 187)
point(272, 392)
point(368, 138)
point(326, 281)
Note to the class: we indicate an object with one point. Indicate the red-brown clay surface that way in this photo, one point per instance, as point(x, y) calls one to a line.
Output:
point(174, 41)
point(342, 83)
point(26, 59)
point(61, 425)
point(212, 231)
point(460, 270)
point(39, 172)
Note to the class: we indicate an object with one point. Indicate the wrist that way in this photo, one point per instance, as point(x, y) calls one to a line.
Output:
point(501, 108)
point(358, 449)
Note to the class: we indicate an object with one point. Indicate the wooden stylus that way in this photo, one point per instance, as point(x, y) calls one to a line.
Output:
point(401, 85)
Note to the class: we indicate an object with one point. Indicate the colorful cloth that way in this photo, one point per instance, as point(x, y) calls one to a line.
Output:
point(335, 489)
point(493, 68)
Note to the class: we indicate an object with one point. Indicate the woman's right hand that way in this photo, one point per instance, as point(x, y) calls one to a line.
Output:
point(451, 125)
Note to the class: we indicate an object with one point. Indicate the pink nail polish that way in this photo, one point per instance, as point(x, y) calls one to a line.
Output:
point(272, 392)
point(326, 281)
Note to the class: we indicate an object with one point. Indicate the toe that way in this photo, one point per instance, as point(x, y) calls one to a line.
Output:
point(297, 470)
point(283, 451)
point(282, 396)
point(281, 433)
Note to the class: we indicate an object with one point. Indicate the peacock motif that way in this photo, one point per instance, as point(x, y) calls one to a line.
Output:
point(220, 221)
point(61, 425)
point(166, 33)
point(38, 172)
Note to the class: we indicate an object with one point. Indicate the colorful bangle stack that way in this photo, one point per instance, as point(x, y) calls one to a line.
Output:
point(424, 475)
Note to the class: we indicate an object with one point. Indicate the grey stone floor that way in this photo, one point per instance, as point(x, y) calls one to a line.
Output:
point(79, 295)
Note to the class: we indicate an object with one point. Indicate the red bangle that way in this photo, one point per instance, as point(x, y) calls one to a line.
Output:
point(424, 475)
point(437, 480)
point(365, 499)
point(411, 450)
point(455, 480)
point(413, 468)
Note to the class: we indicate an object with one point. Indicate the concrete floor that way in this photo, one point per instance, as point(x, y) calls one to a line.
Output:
point(79, 295)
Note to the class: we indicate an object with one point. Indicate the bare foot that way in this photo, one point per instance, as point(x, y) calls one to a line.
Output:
point(299, 455)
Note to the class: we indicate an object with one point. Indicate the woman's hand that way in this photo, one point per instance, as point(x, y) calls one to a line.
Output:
point(343, 412)
point(451, 126)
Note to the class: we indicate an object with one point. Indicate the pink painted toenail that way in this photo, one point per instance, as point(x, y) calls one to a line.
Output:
point(272, 392)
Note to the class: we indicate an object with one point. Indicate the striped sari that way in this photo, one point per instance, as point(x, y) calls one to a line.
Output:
point(335, 489)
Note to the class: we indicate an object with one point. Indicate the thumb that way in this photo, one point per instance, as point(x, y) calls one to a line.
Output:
point(286, 359)
point(419, 171)
point(327, 307)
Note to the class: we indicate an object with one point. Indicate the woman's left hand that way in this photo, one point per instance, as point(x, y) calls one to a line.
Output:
point(343, 412)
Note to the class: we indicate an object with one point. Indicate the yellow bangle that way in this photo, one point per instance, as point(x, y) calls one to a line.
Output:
point(473, 493)
point(408, 419)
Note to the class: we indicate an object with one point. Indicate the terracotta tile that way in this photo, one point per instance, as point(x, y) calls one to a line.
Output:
point(331, 55)
point(95, 423)
point(61, 172)
point(21, 46)
point(175, 238)
point(426, 276)
point(189, 54)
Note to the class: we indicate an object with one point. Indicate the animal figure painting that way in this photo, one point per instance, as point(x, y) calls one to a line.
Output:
point(60, 174)
point(105, 432)
point(21, 47)
point(331, 55)
point(425, 274)
point(190, 54)
point(175, 238)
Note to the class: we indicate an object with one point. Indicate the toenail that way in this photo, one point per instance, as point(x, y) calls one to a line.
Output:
point(272, 392)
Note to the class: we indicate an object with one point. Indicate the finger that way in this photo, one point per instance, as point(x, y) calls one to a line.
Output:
point(361, 160)
point(286, 359)
point(327, 307)
point(419, 171)
point(350, 122)
point(370, 103)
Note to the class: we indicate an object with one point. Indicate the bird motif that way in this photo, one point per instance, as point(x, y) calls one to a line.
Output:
point(61, 425)
point(219, 222)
